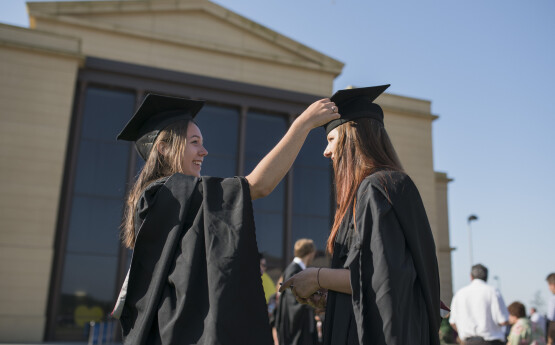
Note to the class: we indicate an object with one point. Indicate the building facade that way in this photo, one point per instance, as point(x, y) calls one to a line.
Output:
point(71, 81)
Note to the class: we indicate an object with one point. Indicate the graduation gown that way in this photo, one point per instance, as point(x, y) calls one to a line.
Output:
point(294, 321)
point(390, 252)
point(195, 276)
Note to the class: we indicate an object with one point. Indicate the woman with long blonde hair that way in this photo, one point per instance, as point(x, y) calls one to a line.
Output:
point(194, 275)
point(383, 283)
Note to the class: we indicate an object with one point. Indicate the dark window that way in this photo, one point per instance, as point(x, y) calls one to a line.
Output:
point(91, 260)
point(83, 281)
point(220, 129)
point(311, 192)
point(91, 226)
point(101, 168)
point(263, 133)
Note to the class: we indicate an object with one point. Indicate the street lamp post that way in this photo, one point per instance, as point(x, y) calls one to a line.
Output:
point(470, 219)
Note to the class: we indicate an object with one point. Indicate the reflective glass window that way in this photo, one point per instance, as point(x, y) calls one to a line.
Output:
point(220, 129)
point(87, 294)
point(263, 132)
point(311, 192)
point(91, 260)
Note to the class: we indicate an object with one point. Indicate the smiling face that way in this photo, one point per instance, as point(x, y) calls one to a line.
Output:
point(191, 160)
point(330, 150)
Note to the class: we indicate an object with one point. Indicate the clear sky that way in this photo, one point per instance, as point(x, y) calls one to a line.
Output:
point(488, 66)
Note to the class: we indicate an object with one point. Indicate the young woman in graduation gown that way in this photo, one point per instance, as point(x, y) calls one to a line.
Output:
point(383, 284)
point(194, 276)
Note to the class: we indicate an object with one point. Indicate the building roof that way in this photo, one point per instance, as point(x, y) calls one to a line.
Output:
point(201, 24)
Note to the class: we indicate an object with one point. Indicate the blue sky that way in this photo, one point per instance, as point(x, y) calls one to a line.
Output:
point(489, 69)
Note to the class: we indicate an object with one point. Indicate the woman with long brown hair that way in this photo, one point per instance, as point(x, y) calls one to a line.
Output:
point(383, 283)
point(194, 275)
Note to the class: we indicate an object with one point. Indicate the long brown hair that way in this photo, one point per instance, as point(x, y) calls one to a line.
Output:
point(363, 147)
point(156, 166)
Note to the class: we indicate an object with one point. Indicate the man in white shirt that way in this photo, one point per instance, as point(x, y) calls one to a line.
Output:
point(478, 311)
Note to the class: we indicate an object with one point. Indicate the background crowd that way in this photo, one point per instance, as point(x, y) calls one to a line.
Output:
point(478, 315)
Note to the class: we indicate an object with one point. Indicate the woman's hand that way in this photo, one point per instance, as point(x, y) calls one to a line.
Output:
point(273, 167)
point(303, 284)
point(318, 114)
point(318, 300)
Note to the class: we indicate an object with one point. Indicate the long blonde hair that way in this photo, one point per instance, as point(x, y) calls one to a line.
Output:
point(363, 148)
point(156, 166)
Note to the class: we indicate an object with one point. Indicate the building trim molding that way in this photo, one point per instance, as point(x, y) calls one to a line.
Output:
point(64, 12)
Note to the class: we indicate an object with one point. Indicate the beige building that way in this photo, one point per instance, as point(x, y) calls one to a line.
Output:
point(72, 80)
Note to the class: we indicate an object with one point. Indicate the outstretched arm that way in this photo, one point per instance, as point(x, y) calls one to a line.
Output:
point(273, 167)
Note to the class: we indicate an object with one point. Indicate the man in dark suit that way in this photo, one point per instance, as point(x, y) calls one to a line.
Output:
point(295, 322)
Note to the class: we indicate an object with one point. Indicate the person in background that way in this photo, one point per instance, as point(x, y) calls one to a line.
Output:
point(551, 310)
point(272, 310)
point(478, 311)
point(295, 322)
point(523, 331)
point(538, 319)
point(447, 334)
point(267, 282)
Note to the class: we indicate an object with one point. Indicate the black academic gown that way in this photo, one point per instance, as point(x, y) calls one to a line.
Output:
point(195, 275)
point(294, 322)
point(390, 252)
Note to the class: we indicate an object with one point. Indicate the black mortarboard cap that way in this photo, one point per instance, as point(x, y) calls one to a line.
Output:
point(356, 103)
point(154, 114)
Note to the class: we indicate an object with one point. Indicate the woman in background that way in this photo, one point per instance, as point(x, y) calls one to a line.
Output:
point(523, 331)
